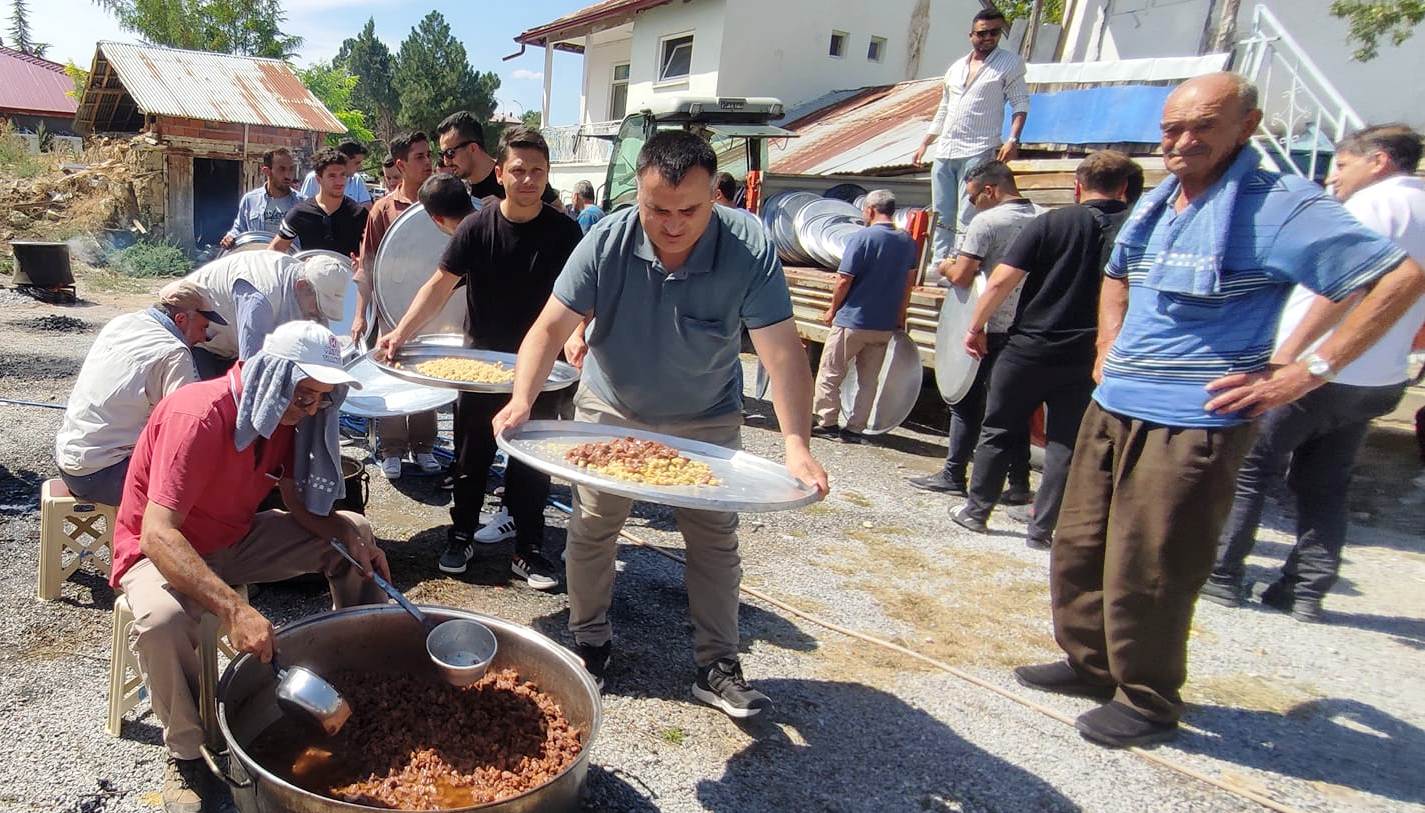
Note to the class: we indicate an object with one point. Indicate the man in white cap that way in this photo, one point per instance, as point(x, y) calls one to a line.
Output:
point(255, 291)
point(188, 525)
point(135, 361)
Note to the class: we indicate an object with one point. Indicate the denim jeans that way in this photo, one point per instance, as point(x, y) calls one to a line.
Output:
point(947, 198)
point(1317, 437)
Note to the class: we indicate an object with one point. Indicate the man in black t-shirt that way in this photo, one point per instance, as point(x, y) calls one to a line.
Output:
point(507, 256)
point(329, 221)
point(1049, 356)
point(462, 154)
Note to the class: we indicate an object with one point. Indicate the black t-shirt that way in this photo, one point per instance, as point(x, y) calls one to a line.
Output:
point(313, 228)
point(490, 186)
point(508, 270)
point(1063, 252)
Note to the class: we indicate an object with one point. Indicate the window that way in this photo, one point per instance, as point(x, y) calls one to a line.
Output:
point(838, 44)
point(675, 59)
point(876, 51)
point(618, 93)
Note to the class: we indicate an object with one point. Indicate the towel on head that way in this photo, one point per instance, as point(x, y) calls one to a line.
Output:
point(1190, 261)
point(268, 383)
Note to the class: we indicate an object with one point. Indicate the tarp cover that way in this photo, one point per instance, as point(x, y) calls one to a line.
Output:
point(1111, 115)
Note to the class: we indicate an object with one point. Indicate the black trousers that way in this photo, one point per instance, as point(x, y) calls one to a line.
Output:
point(967, 416)
point(526, 490)
point(1017, 387)
point(1318, 437)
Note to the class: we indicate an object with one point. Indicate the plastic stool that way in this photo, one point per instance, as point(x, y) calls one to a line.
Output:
point(126, 687)
point(69, 526)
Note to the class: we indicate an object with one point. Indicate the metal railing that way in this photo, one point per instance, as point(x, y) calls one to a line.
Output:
point(573, 144)
point(1303, 113)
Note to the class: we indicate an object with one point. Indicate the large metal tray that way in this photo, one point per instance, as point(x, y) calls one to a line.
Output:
point(746, 482)
point(955, 369)
point(383, 395)
point(408, 256)
point(412, 353)
point(897, 387)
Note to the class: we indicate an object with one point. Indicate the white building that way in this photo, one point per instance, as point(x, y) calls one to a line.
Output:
point(794, 50)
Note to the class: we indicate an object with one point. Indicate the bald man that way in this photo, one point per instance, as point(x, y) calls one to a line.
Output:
point(1193, 292)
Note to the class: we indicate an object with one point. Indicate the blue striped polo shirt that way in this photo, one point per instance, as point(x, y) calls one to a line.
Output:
point(1284, 231)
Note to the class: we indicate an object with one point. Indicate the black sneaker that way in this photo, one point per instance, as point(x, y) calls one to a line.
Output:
point(596, 659)
point(960, 515)
point(447, 481)
point(1278, 596)
point(940, 483)
point(722, 686)
point(1038, 542)
point(1307, 610)
point(186, 782)
point(538, 572)
point(854, 438)
point(1017, 495)
point(1061, 678)
point(1021, 513)
point(459, 547)
point(828, 432)
point(1228, 595)
point(1120, 726)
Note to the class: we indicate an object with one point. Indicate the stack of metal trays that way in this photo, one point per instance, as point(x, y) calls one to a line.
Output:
point(409, 254)
point(250, 241)
point(823, 227)
point(779, 214)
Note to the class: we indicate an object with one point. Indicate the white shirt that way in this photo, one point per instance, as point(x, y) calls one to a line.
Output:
point(356, 188)
point(969, 120)
point(1394, 207)
point(135, 361)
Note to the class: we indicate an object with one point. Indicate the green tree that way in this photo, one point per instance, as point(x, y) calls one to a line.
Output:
point(334, 86)
point(79, 76)
point(1370, 20)
point(20, 30)
point(1015, 10)
point(370, 61)
point(530, 118)
point(247, 27)
point(434, 79)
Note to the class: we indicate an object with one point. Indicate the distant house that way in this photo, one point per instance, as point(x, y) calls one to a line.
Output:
point(34, 95)
point(795, 50)
point(208, 119)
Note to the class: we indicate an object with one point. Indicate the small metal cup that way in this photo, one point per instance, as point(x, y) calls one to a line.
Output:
point(461, 650)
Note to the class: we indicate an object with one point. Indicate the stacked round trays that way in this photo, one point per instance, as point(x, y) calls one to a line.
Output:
point(823, 227)
point(779, 214)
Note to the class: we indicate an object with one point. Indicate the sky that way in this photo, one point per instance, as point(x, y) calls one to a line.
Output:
point(486, 27)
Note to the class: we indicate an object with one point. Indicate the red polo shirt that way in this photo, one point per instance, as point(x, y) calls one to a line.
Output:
point(186, 460)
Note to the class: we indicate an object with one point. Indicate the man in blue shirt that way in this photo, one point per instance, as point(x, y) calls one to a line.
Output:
point(669, 284)
point(1188, 311)
point(263, 208)
point(586, 212)
point(868, 305)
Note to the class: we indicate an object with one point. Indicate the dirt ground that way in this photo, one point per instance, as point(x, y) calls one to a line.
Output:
point(1315, 717)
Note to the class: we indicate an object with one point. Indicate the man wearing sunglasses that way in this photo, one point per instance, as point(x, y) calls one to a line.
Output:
point(462, 153)
point(968, 122)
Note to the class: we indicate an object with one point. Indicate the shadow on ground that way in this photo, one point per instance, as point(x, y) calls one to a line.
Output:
point(1336, 740)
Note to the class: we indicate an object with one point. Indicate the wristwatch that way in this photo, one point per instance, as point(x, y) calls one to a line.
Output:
point(1320, 367)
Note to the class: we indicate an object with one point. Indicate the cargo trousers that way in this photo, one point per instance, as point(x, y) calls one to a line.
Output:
point(165, 631)
point(714, 567)
point(1137, 535)
point(845, 348)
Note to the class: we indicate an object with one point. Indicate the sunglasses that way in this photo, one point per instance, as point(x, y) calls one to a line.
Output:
point(988, 32)
point(450, 153)
point(305, 401)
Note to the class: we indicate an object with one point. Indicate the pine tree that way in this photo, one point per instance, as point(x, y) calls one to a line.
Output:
point(20, 30)
point(370, 61)
point(434, 79)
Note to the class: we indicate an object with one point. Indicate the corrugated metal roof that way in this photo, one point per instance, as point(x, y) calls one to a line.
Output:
point(877, 128)
point(217, 87)
point(586, 16)
point(29, 84)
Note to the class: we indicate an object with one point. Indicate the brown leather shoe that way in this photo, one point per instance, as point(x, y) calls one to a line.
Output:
point(1061, 678)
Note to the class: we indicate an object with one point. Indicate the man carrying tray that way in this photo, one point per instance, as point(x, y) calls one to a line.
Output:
point(668, 285)
point(507, 256)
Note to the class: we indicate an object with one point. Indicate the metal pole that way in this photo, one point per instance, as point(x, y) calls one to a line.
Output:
point(548, 70)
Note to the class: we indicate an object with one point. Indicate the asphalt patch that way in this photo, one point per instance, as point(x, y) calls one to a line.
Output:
point(54, 323)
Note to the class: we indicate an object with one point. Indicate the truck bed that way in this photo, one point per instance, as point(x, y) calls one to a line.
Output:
point(811, 295)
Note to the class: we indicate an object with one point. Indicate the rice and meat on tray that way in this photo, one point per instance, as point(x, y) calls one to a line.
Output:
point(641, 461)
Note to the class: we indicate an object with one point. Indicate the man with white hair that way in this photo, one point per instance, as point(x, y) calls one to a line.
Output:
point(135, 361)
point(255, 291)
point(188, 526)
point(868, 305)
point(1188, 308)
point(586, 211)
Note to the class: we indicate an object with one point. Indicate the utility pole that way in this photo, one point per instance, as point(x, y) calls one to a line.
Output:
point(1026, 47)
point(1220, 32)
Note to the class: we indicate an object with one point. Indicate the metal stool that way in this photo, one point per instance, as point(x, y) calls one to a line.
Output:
point(126, 687)
point(68, 527)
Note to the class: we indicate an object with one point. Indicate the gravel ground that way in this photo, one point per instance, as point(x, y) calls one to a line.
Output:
point(1317, 717)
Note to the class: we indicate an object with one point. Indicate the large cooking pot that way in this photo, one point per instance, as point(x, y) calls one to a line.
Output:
point(41, 264)
point(345, 639)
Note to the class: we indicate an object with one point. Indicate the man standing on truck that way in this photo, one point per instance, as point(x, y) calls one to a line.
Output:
point(967, 124)
point(867, 306)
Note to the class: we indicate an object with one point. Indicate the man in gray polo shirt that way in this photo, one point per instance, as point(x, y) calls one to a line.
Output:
point(669, 284)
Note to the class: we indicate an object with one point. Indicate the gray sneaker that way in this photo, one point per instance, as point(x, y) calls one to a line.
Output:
point(185, 784)
point(721, 685)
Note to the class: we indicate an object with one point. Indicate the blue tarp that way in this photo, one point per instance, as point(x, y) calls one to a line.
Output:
point(1107, 115)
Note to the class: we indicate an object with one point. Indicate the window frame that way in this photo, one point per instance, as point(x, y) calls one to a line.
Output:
point(614, 83)
point(845, 43)
point(879, 43)
point(663, 43)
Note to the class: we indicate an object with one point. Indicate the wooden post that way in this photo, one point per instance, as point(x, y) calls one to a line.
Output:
point(178, 225)
point(1026, 47)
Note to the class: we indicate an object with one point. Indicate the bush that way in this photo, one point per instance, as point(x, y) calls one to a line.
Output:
point(16, 160)
point(151, 259)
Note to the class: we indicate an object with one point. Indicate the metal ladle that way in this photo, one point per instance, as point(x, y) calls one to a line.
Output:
point(304, 694)
point(461, 649)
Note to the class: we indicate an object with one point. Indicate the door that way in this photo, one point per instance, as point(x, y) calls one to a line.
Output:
point(217, 188)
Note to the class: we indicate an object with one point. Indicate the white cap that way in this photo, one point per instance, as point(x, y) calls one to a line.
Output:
point(329, 276)
point(314, 348)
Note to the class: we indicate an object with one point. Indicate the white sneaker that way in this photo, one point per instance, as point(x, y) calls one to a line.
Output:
point(498, 529)
point(391, 467)
point(428, 463)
